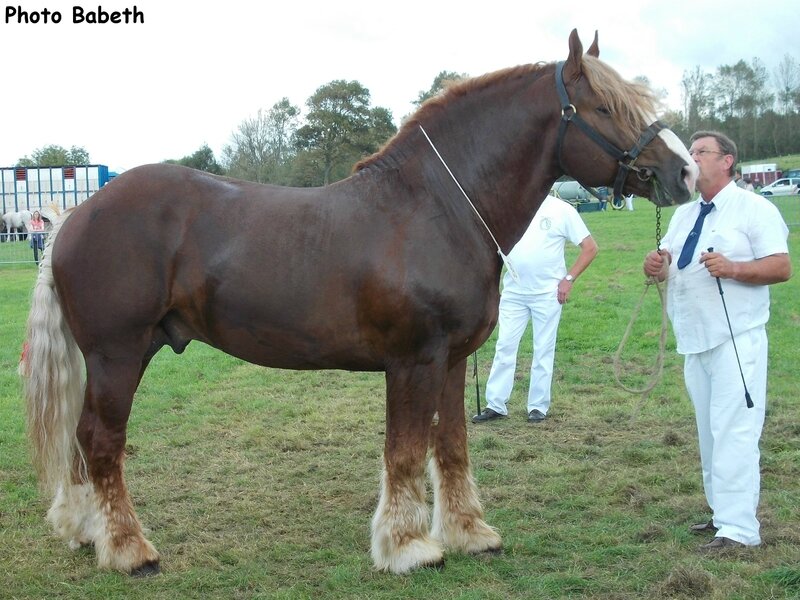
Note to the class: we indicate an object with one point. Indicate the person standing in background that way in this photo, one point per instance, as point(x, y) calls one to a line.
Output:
point(602, 196)
point(542, 287)
point(36, 230)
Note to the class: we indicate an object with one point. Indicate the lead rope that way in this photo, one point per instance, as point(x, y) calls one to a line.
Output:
point(662, 342)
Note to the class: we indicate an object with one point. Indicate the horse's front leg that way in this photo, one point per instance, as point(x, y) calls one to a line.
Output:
point(457, 514)
point(400, 529)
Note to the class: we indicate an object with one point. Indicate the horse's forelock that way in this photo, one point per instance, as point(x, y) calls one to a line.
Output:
point(633, 105)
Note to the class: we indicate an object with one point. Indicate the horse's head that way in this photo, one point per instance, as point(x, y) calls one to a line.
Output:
point(609, 134)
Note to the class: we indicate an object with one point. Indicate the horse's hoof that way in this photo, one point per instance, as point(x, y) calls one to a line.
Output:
point(148, 569)
point(437, 566)
point(490, 552)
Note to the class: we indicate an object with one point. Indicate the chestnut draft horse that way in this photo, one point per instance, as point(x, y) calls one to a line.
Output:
point(388, 270)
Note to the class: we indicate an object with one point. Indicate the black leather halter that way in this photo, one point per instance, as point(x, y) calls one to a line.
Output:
point(625, 159)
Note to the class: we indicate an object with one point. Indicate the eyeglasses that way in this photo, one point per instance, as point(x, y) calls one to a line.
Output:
point(704, 152)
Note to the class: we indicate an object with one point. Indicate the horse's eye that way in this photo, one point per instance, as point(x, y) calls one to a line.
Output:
point(604, 111)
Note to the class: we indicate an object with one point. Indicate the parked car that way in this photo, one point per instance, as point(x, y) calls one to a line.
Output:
point(785, 186)
point(791, 173)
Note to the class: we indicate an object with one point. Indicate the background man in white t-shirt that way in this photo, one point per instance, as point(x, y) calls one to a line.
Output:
point(542, 288)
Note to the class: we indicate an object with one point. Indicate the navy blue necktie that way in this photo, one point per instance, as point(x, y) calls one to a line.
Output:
point(694, 235)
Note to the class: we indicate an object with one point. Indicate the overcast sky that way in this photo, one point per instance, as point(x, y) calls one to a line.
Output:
point(140, 93)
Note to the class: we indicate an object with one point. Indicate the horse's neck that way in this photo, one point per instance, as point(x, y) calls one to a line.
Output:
point(505, 168)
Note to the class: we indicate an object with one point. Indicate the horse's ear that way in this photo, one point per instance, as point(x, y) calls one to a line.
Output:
point(572, 68)
point(594, 49)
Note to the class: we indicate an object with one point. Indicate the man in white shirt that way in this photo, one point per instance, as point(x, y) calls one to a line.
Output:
point(740, 245)
point(538, 293)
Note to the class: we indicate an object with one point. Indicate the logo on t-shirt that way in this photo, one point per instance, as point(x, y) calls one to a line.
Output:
point(545, 224)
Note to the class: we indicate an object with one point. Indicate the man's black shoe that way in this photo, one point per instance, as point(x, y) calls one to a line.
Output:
point(720, 543)
point(536, 416)
point(707, 527)
point(487, 415)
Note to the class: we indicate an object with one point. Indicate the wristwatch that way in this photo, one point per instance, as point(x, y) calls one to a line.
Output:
point(569, 278)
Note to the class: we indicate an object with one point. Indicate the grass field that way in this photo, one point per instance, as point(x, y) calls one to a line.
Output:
point(261, 483)
point(15, 252)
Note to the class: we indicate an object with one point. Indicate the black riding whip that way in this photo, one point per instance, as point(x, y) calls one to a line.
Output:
point(747, 398)
point(477, 383)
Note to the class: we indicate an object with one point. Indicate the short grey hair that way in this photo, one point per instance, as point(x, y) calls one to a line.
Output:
point(726, 146)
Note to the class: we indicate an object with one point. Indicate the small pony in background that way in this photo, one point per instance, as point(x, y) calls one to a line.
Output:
point(15, 224)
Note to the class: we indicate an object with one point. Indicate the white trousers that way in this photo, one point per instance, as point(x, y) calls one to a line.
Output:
point(729, 431)
point(515, 312)
point(629, 201)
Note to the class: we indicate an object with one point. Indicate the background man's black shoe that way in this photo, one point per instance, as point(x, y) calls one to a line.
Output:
point(487, 415)
point(699, 528)
point(536, 416)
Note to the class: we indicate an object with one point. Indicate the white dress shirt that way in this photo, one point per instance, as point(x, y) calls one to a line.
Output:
point(743, 226)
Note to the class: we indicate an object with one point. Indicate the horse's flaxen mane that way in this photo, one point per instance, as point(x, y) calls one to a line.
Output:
point(441, 101)
point(632, 105)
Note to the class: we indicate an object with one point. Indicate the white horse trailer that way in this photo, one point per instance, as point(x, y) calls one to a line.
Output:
point(761, 174)
point(34, 188)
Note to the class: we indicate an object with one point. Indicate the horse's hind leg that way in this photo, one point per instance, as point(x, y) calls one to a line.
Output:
point(457, 514)
point(118, 538)
point(400, 528)
point(74, 513)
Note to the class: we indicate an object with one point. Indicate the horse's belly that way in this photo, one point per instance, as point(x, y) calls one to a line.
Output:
point(291, 333)
point(287, 350)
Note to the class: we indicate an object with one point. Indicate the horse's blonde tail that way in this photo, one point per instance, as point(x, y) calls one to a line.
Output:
point(52, 367)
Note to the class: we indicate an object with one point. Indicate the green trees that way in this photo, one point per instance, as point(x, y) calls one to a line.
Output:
point(440, 82)
point(787, 84)
point(738, 100)
point(336, 128)
point(340, 128)
point(261, 148)
point(202, 160)
point(53, 156)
